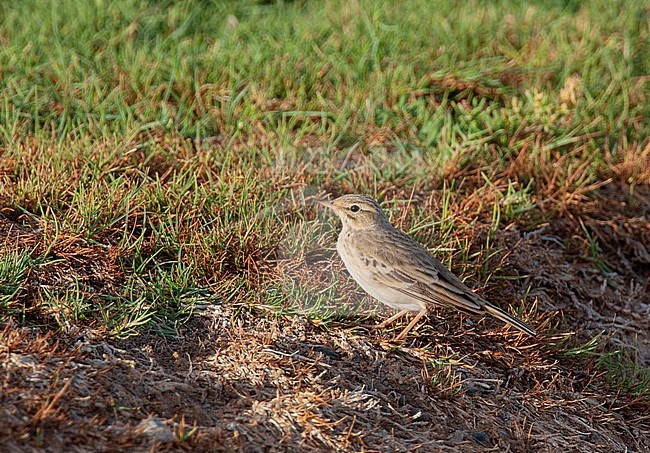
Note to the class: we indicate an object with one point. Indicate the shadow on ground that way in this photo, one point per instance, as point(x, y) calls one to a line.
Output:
point(238, 378)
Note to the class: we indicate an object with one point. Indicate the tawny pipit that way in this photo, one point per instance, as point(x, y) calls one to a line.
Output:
point(399, 272)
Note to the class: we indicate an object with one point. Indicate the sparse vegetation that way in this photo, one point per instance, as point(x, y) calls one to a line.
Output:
point(161, 257)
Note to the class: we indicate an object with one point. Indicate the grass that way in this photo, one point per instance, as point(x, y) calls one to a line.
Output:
point(159, 162)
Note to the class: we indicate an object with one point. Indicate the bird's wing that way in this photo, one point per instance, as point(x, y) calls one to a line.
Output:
point(407, 267)
point(444, 293)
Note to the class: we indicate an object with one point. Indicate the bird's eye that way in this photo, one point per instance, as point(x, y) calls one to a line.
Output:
point(355, 208)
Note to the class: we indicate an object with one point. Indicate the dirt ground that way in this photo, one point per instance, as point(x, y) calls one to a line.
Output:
point(239, 377)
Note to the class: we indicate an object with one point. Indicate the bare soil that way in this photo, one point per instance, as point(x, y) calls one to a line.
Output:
point(238, 377)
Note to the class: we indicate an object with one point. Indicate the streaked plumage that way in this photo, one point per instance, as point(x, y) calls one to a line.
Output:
point(399, 272)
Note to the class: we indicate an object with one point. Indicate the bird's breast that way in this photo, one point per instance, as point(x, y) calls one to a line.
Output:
point(363, 266)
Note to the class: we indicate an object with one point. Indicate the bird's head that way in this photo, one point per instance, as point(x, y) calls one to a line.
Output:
point(357, 212)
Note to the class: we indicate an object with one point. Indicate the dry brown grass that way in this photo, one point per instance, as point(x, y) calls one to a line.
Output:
point(166, 284)
point(287, 385)
point(234, 378)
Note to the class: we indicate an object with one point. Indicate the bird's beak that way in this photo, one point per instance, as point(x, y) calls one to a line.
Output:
point(327, 204)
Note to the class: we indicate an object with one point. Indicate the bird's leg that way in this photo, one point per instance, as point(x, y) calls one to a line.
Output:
point(393, 318)
point(415, 320)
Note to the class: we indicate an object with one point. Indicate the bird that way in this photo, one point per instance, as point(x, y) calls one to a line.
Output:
point(398, 271)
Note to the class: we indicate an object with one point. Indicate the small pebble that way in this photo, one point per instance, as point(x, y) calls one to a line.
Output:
point(421, 417)
point(157, 429)
point(328, 352)
point(593, 437)
point(481, 437)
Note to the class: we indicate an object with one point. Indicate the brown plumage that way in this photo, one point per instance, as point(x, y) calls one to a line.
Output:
point(399, 272)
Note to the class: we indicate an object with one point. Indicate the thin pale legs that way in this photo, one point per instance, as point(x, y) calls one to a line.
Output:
point(385, 323)
point(413, 322)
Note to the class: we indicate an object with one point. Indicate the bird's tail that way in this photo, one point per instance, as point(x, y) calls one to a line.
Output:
point(509, 319)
